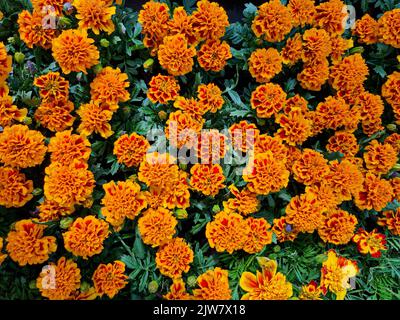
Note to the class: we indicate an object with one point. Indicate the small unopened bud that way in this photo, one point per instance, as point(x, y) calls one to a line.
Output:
point(19, 57)
point(192, 281)
point(321, 258)
point(97, 68)
point(216, 208)
point(66, 222)
point(148, 63)
point(396, 167)
point(133, 177)
point(277, 249)
point(11, 40)
point(64, 22)
point(183, 166)
point(162, 115)
point(104, 43)
point(153, 286)
point(84, 286)
point(391, 127)
point(357, 50)
point(32, 285)
point(37, 192)
point(27, 121)
point(181, 213)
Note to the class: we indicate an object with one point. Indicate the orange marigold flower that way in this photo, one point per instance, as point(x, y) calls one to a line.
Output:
point(87, 294)
point(292, 51)
point(316, 45)
point(156, 197)
point(109, 86)
point(259, 235)
point(273, 21)
point(294, 153)
point(243, 135)
point(51, 210)
point(178, 195)
point(74, 51)
point(32, 30)
point(297, 101)
point(314, 75)
point(268, 99)
point(21, 147)
point(213, 55)
point(163, 89)
point(333, 112)
point(191, 106)
point(302, 12)
point(214, 285)
point(367, 30)
point(339, 46)
point(265, 174)
point(305, 213)
point(95, 118)
point(67, 280)
point(26, 243)
point(245, 201)
point(15, 190)
point(5, 63)
point(371, 106)
point(396, 187)
point(391, 89)
point(174, 258)
point(389, 28)
point(177, 291)
point(274, 144)
point(372, 243)
point(394, 141)
point(266, 285)
point(95, 15)
point(324, 193)
point(311, 291)
point(375, 194)
point(331, 16)
point(391, 220)
point(265, 64)
point(55, 115)
point(295, 127)
point(379, 158)
point(338, 227)
point(9, 113)
point(344, 142)
point(131, 150)
point(175, 56)
point(283, 230)
point(210, 96)
point(182, 23)
point(52, 86)
point(110, 278)
point(68, 184)
point(3, 256)
point(122, 200)
point(312, 167)
point(211, 146)
point(207, 178)
point(57, 5)
point(156, 226)
point(209, 20)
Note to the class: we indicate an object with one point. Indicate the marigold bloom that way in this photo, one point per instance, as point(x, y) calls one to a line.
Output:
point(259, 235)
point(394, 141)
point(178, 195)
point(312, 167)
point(21, 147)
point(314, 75)
point(337, 227)
point(266, 285)
point(26, 243)
point(15, 190)
point(366, 29)
point(371, 106)
point(207, 178)
point(110, 278)
point(52, 86)
point(268, 99)
point(122, 200)
point(331, 16)
point(350, 73)
point(174, 257)
point(209, 20)
point(211, 146)
point(265, 64)
point(51, 210)
point(177, 291)
point(190, 106)
point(214, 285)
point(182, 23)
point(389, 28)
point(74, 51)
point(396, 187)
point(339, 46)
point(295, 127)
point(55, 115)
point(333, 112)
point(245, 201)
point(391, 220)
point(95, 118)
point(85, 237)
point(9, 113)
point(343, 142)
point(213, 55)
point(265, 142)
point(131, 149)
point(316, 45)
point(293, 154)
point(67, 280)
point(175, 56)
point(163, 89)
point(57, 5)
point(311, 291)
point(297, 101)
point(325, 195)
point(273, 21)
point(210, 97)
point(379, 158)
point(291, 52)
point(302, 12)
point(283, 230)
point(3, 256)
point(95, 15)
point(243, 135)
point(372, 243)
point(5, 63)
point(68, 184)
point(391, 90)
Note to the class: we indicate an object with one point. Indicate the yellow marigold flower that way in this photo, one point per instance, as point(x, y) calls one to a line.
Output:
point(5, 63)
point(122, 200)
point(211, 146)
point(371, 106)
point(391, 220)
point(311, 168)
point(55, 115)
point(305, 213)
point(283, 230)
point(243, 135)
point(67, 280)
point(213, 55)
point(333, 112)
point(311, 291)
point(174, 258)
point(367, 30)
point(335, 274)
point(3, 256)
point(338, 227)
point(214, 285)
point(295, 128)
point(265, 174)
point(314, 75)
point(244, 202)
point(21, 147)
point(268, 99)
point(95, 118)
point(343, 142)
point(210, 97)
point(109, 86)
point(95, 15)
point(264, 64)
point(209, 20)
point(207, 178)
point(33, 32)
point(339, 46)
point(266, 285)
point(177, 291)
point(389, 30)
point(74, 51)
point(331, 16)
point(51, 210)
point(52, 86)
point(379, 158)
point(302, 12)
point(15, 190)
point(259, 235)
point(68, 184)
point(372, 243)
point(272, 22)
point(316, 45)
point(394, 141)
point(375, 194)
point(391, 89)
point(175, 56)
point(265, 142)
point(292, 51)
point(110, 278)
point(57, 5)
point(9, 113)
point(156, 226)
point(26, 243)
point(163, 89)
point(182, 23)
point(131, 150)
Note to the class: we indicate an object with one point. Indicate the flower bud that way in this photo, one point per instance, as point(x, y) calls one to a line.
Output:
point(11, 40)
point(148, 63)
point(162, 115)
point(133, 177)
point(153, 286)
point(357, 50)
point(216, 208)
point(97, 68)
point(273, 256)
point(126, 110)
point(64, 22)
point(181, 213)
point(19, 57)
point(66, 222)
point(261, 122)
point(32, 285)
point(84, 286)
point(396, 167)
point(104, 43)
point(27, 121)
point(192, 281)
point(321, 258)
point(391, 127)
point(37, 192)
point(277, 249)
point(183, 166)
